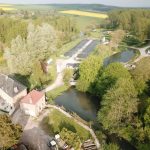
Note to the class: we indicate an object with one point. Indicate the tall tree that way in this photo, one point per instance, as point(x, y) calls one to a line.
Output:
point(40, 44)
point(118, 105)
point(9, 133)
point(109, 77)
point(88, 72)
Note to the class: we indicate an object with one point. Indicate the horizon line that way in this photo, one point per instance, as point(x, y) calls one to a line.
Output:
point(74, 4)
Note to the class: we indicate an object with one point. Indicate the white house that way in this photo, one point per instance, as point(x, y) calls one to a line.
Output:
point(33, 103)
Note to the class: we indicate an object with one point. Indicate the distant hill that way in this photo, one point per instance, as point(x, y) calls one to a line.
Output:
point(86, 7)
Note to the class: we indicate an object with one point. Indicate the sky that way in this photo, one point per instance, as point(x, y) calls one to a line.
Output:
point(128, 3)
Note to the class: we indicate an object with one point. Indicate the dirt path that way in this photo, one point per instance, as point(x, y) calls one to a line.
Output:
point(58, 82)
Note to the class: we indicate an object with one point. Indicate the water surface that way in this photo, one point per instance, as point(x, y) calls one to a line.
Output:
point(123, 57)
point(84, 105)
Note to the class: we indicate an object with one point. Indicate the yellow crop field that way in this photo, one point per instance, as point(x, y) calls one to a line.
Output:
point(6, 7)
point(84, 13)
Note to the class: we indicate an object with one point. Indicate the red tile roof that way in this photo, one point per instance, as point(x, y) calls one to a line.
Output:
point(33, 97)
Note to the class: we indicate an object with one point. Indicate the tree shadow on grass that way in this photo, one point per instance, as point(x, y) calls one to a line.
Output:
point(67, 126)
point(46, 126)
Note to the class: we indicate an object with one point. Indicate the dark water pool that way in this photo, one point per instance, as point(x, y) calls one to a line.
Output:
point(123, 57)
point(82, 104)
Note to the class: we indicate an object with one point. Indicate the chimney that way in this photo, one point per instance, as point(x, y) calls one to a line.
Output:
point(16, 89)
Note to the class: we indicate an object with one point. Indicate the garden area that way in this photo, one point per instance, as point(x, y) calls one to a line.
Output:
point(72, 133)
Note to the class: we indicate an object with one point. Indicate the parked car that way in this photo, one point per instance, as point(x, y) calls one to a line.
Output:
point(52, 144)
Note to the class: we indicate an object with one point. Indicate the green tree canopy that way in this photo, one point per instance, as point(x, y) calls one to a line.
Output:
point(141, 74)
point(88, 72)
point(71, 138)
point(40, 44)
point(118, 105)
point(137, 22)
point(109, 77)
point(9, 133)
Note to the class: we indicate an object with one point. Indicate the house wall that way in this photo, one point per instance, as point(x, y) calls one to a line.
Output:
point(33, 110)
point(40, 105)
point(28, 109)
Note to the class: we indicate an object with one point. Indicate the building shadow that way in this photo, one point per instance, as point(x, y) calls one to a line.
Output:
point(35, 139)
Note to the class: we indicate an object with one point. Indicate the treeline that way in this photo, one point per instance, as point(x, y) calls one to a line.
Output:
point(135, 21)
point(124, 98)
point(65, 26)
point(11, 28)
point(31, 38)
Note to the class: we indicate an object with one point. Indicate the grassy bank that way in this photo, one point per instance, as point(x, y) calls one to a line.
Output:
point(51, 95)
point(56, 121)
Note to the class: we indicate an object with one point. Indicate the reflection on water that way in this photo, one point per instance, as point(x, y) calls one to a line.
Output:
point(82, 104)
point(123, 56)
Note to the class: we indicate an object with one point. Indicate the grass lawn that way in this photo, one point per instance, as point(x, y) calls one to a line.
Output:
point(51, 95)
point(56, 121)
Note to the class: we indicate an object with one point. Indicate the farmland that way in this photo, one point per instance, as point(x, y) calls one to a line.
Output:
point(84, 13)
point(7, 7)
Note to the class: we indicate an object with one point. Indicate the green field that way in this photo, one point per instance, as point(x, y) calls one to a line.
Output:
point(83, 22)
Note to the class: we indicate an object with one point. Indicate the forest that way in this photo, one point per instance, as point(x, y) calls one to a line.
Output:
point(136, 22)
point(123, 94)
point(30, 38)
point(27, 37)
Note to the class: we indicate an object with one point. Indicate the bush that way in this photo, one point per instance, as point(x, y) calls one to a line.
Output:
point(67, 74)
point(111, 146)
point(57, 121)
point(71, 138)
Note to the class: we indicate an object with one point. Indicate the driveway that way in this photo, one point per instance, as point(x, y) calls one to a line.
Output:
point(33, 134)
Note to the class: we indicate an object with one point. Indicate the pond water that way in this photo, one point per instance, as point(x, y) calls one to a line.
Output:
point(84, 105)
point(123, 56)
